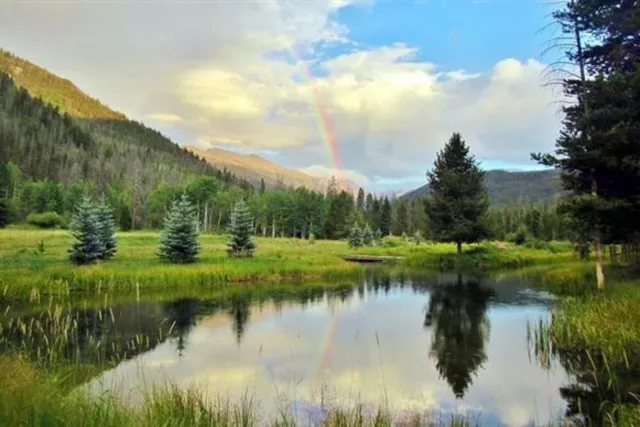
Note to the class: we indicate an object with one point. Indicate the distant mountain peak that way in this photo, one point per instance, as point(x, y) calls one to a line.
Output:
point(254, 168)
point(54, 90)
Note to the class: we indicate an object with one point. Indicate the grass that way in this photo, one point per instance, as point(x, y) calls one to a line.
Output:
point(29, 397)
point(595, 336)
point(35, 262)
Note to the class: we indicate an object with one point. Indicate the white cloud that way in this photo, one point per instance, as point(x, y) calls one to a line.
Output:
point(217, 69)
point(320, 171)
point(165, 118)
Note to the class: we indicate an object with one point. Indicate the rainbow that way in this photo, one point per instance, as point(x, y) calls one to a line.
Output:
point(326, 127)
point(331, 143)
point(326, 348)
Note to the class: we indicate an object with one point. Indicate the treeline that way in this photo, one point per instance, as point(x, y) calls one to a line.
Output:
point(277, 212)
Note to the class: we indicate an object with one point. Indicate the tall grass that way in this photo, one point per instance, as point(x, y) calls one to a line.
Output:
point(29, 397)
point(595, 336)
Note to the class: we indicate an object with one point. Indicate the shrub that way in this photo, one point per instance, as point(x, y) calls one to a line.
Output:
point(519, 237)
point(4, 213)
point(367, 236)
point(388, 242)
point(355, 236)
point(45, 220)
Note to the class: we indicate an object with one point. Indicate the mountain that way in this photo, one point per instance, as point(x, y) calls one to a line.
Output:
point(53, 90)
point(253, 168)
point(510, 187)
point(53, 131)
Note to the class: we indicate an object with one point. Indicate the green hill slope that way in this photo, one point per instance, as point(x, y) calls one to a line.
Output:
point(54, 90)
point(51, 130)
point(506, 188)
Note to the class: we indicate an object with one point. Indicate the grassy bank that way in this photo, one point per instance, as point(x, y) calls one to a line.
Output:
point(28, 268)
point(595, 336)
point(33, 397)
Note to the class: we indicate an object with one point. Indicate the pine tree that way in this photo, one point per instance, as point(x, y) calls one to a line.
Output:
point(458, 202)
point(385, 217)
point(179, 239)
point(107, 229)
point(360, 201)
point(355, 236)
point(240, 242)
point(367, 236)
point(85, 228)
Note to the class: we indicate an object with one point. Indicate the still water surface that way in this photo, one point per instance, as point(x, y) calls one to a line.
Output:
point(444, 343)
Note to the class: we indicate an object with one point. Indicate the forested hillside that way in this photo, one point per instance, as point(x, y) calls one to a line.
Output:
point(506, 188)
point(54, 135)
point(56, 91)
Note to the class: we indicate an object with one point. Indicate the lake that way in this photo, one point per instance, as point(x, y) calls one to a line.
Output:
point(442, 343)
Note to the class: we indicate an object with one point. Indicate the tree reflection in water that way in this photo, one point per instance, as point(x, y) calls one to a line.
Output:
point(599, 385)
point(460, 329)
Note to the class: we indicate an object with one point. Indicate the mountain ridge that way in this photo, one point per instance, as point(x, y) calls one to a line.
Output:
point(254, 168)
point(507, 187)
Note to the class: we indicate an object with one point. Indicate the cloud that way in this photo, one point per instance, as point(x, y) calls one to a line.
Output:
point(233, 71)
point(325, 172)
point(165, 118)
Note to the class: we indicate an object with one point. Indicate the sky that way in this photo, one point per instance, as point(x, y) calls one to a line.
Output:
point(371, 89)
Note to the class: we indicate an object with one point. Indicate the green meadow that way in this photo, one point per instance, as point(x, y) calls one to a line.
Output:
point(35, 263)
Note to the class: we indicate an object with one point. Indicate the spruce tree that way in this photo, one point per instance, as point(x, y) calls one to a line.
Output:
point(367, 236)
point(355, 236)
point(458, 202)
point(179, 239)
point(385, 217)
point(85, 228)
point(107, 229)
point(240, 242)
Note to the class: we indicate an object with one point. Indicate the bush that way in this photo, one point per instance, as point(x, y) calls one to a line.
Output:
point(388, 242)
point(46, 220)
point(355, 236)
point(519, 237)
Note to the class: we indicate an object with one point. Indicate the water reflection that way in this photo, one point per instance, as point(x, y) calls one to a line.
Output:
point(457, 316)
point(597, 383)
point(369, 342)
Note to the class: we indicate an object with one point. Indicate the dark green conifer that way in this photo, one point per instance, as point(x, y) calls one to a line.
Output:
point(179, 239)
point(240, 229)
point(458, 202)
point(107, 229)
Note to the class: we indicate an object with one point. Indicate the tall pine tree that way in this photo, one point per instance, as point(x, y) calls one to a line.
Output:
point(240, 242)
point(179, 239)
point(597, 151)
point(385, 217)
point(458, 202)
